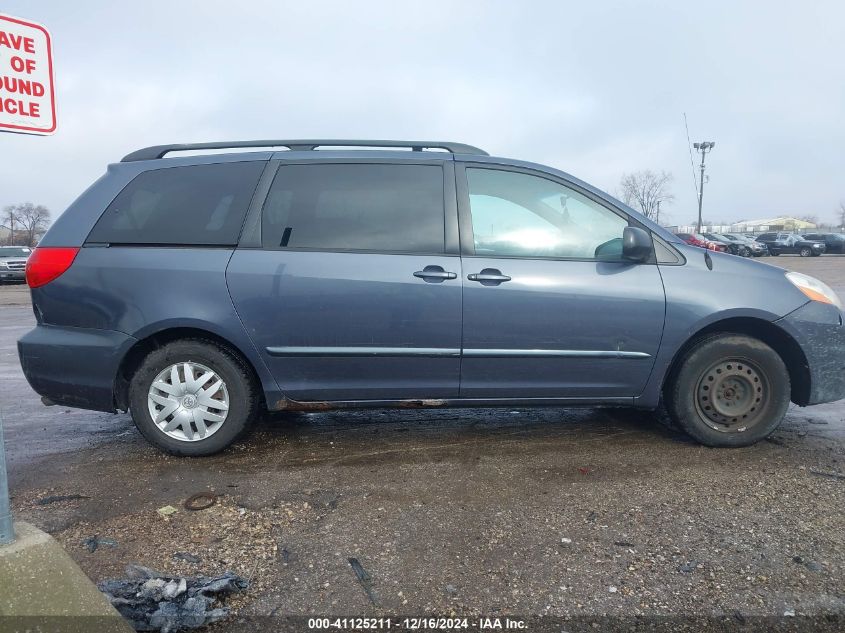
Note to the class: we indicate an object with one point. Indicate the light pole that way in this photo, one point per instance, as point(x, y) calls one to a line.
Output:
point(704, 147)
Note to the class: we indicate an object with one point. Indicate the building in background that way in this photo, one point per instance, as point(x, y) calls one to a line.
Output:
point(781, 223)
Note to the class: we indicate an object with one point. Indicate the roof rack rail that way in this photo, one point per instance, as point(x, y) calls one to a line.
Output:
point(159, 151)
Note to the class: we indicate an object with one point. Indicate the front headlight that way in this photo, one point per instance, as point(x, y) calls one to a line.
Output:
point(814, 289)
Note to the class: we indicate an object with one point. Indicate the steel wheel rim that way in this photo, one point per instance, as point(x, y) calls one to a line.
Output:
point(188, 401)
point(732, 395)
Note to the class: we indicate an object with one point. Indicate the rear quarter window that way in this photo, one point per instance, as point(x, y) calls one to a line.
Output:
point(201, 205)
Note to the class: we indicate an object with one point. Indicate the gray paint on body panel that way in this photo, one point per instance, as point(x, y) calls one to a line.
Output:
point(360, 327)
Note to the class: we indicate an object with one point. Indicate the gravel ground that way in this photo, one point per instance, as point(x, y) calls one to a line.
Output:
point(524, 512)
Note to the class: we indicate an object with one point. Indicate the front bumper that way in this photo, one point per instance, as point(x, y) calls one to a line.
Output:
point(75, 367)
point(818, 328)
point(12, 275)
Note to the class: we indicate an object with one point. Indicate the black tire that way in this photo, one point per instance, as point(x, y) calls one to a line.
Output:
point(752, 384)
point(805, 251)
point(236, 376)
point(774, 253)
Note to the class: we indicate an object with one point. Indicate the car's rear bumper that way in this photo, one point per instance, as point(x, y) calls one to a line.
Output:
point(75, 367)
point(818, 328)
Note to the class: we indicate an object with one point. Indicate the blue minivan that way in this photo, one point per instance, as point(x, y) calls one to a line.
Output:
point(198, 285)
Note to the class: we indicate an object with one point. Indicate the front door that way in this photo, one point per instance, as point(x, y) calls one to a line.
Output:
point(352, 295)
point(551, 310)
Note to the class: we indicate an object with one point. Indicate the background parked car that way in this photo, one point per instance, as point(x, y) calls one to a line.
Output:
point(755, 248)
point(13, 262)
point(833, 242)
point(697, 239)
point(790, 243)
point(731, 247)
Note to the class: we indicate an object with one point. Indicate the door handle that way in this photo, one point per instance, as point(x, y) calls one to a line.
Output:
point(489, 276)
point(434, 272)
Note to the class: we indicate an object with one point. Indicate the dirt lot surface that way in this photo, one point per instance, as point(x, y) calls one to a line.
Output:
point(528, 512)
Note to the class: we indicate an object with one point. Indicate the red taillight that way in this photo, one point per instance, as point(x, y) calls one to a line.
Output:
point(48, 262)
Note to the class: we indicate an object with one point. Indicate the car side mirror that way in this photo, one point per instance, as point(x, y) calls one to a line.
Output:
point(636, 244)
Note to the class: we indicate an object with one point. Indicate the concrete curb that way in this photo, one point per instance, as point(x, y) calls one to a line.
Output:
point(43, 589)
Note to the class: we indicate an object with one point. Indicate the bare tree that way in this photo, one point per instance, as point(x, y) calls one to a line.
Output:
point(646, 190)
point(26, 222)
point(812, 219)
point(7, 222)
point(842, 213)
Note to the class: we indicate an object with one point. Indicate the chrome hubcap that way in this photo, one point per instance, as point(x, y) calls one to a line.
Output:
point(731, 395)
point(188, 401)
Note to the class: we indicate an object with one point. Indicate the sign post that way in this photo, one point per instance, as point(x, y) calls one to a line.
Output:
point(27, 106)
point(7, 530)
point(27, 91)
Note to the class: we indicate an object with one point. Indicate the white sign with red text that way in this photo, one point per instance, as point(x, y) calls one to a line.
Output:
point(27, 94)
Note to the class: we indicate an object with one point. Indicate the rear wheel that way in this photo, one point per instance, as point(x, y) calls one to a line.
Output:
point(192, 397)
point(729, 390)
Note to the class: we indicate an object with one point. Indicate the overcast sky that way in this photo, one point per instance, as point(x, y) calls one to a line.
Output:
point(596, 89)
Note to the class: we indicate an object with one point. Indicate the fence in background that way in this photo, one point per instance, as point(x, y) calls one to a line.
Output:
point(750, 230)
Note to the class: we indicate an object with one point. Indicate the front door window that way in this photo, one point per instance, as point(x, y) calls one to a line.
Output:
point(520, 215)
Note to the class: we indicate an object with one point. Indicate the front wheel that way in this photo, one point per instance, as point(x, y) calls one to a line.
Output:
point(730, 390)
point(192, 397)
point(805, 251)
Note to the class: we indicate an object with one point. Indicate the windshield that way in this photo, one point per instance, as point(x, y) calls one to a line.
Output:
point(15, 251)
